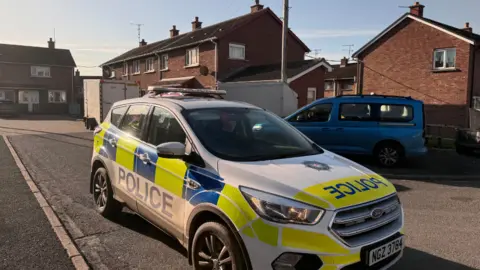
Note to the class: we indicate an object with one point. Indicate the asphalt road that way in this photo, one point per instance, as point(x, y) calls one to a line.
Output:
point(27, 241)
point(441, 218)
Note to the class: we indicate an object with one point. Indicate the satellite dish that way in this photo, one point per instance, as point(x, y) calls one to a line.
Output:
point(204, 70)
point(106, 72)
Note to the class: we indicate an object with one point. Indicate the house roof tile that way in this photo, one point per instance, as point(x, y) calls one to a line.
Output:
point(36, 55)
point(338, 72)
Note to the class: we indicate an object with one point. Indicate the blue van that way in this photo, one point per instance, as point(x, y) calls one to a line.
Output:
point(390, 128)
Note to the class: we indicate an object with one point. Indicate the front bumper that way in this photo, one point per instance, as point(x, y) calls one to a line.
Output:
point(320, 250)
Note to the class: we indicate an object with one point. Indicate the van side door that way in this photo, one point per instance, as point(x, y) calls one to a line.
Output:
point(314, 122)
point(161, 196)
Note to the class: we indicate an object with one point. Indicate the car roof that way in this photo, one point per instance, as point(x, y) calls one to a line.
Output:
point(188, 103)
point(370, 98)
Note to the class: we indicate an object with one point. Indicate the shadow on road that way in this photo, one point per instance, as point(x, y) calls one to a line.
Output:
point(41, 117)
point(414, 259)
point(77, 136)
point(136, 223)
point(401, 188)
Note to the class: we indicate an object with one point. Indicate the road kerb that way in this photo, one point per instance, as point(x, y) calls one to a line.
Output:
point(67, 242)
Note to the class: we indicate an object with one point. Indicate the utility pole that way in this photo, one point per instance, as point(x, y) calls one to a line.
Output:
point(284, 40)
point(350, 46)
point(139, 25)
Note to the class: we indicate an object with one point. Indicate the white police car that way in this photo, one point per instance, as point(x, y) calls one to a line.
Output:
point(240, 188)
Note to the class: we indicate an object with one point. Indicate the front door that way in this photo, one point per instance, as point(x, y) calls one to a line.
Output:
point(164, 203)
point(30, 98)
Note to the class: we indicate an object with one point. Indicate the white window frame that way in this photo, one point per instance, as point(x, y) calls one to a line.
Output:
point(113, 74)
point(444, 51)
point(164, 61)
point(150, 64)
point(136, 67)
point(192, 57)
point(330, 82)
point(2, 95)
point(476, 103)
point(232, 47)
point(62, 92)
point(35, 71)
point(125, 69)
point(314, 90)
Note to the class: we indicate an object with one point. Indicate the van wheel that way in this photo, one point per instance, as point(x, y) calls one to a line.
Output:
point(389, 154)
point(105, 204)
point(214, 247)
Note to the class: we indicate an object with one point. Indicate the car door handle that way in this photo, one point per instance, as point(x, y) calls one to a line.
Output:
point(112, 142)
point(144, 158)
point(193, 184)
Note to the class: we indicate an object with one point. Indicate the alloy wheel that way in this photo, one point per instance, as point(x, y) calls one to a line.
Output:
point(100, 192)
point(388, 156)
point(213, 254)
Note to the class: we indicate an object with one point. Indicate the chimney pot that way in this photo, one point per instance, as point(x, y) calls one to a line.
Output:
point(174, 31)
point(196, 24)
point(142, 43)
point(467, 27)
point(417, 9)
point(51, 44)
point(344, 62)
point(257, 7)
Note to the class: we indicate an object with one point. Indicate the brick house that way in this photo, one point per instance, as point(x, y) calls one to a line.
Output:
point(341, 80)
point(305, 77)
point(427, 60)
point(37, 79)
point(200, 58)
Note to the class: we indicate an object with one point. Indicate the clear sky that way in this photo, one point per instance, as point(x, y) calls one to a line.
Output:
point(98, 30)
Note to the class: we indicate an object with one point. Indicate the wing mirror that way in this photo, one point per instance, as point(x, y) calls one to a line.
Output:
point(171, 150)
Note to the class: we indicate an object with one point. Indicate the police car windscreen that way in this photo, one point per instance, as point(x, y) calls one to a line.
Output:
point(244, 134)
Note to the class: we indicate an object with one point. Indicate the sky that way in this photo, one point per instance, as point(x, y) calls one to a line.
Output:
point(98, 30)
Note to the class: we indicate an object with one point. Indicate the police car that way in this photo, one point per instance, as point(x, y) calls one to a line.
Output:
point(241, 188)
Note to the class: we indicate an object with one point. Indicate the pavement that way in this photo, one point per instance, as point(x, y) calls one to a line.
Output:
point(441, 217)
point(27, 240)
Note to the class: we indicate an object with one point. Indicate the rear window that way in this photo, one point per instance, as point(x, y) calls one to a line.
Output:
point(116, 115)
point(396, 113)
point(356, 112)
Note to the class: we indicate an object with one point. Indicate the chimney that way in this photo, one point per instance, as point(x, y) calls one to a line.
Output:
point(51, 44)
point(77, 73)
point(344, 62)
point(417, 9)
point(467, 27)
point(256, 7)
point(173, 32)
point(142, 43)
point(196, 24)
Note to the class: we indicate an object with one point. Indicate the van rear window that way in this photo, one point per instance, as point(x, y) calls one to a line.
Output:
point(396, 113)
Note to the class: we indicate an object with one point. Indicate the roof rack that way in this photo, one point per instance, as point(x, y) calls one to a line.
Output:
point(158, 91)
point(381, 96)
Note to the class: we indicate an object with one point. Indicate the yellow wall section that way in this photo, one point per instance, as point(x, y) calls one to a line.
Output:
point(359, 197)
point(316, 242)
point(126, 147)
point(170, 175)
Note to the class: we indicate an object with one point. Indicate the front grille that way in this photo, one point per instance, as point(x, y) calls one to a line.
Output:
point(366, 223)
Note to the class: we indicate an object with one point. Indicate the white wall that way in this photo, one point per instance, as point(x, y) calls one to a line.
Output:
point(274, 96)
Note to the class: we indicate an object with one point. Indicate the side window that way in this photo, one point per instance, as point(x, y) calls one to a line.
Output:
point(316, 113)
point(116, 115)
point(133, 121)
point(396, 113)
point(164, 127)
point(355, 112)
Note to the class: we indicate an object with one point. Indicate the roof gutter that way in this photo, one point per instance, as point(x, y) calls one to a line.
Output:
point(158, 51)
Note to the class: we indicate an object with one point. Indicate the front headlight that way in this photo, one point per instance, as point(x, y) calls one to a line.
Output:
point(280, 209)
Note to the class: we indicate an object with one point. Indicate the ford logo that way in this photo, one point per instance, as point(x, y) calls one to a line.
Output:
point(376, 213)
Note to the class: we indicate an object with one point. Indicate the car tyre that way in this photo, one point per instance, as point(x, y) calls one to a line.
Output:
point(105, 204)
point(215, 247)
point(389, 154)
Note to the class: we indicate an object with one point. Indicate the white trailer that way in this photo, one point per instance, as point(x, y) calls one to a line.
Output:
point(274, 96)
point(99, 96)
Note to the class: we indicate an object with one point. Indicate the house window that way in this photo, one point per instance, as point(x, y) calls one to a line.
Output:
point(444, 58)
point(37, 71)
point(191, 57)
point(149, 65)
point(164, 62)
point(57, 96)
point(7, 95)
point(329, 86)
point(125, 69)
point(476, 103)
point(396, 113)
point(346, 85)
point(311, 94)
point(113, 74)
point(236, 51)
point(136, 67)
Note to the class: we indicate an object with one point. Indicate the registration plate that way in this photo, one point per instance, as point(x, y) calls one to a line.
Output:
point(384, 251)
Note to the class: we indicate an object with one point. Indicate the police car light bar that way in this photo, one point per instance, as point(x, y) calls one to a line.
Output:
point(186, 90)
